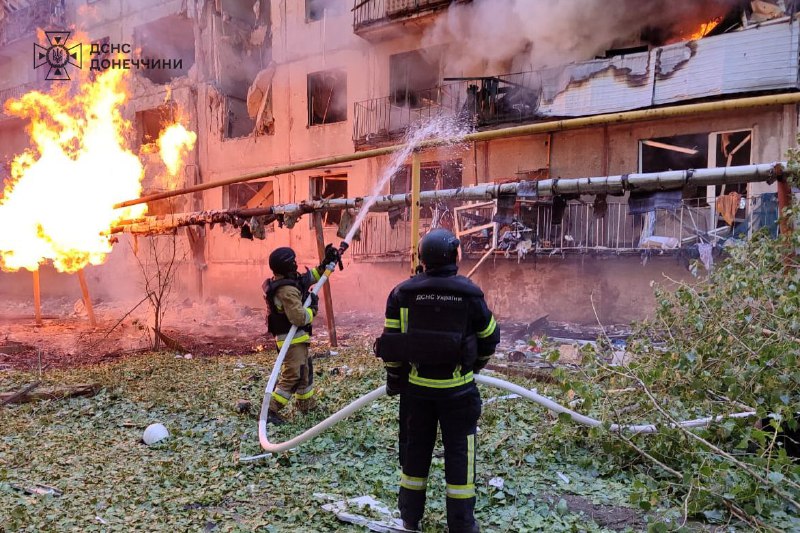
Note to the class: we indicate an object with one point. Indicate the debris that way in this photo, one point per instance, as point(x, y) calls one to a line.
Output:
point(563, 478)
point(524, 372)
point(38, 489)
point(505, 397)
point(497, 482)
point(341, 508)
point(243, 406)
point(154, 433)
point(51, 393)
point(618, 359)
point(516, 356)
point(570, 354)
point(705, 249)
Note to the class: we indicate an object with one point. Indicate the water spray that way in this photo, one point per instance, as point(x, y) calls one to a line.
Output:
point(417, 136)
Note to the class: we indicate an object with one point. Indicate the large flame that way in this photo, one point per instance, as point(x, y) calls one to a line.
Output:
point(58, 204)
point(173, 145)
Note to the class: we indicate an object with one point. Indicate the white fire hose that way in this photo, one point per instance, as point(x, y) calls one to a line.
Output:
point(351, 408)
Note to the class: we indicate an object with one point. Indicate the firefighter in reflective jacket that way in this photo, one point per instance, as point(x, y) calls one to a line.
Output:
point(284, 294)
point(438, 332)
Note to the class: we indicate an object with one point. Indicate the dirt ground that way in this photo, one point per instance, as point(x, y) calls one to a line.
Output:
point(220, 326)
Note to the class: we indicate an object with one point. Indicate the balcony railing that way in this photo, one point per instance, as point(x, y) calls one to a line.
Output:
point(368, 12)
point(581, 230)
point(477, 101)
point(23, 22)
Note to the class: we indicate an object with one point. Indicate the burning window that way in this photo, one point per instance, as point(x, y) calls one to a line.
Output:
point(327, 97)
point(170, 39)
point(327, 187)
point(249, 195)
point(412, 75)
point(150, 123)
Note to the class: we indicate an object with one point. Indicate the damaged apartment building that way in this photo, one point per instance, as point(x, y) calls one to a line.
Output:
point(273, 82)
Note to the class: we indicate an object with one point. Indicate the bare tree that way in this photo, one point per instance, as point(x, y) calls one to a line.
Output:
point(159, 267)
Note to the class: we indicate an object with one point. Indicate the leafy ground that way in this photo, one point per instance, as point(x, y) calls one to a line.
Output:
point(90, 449)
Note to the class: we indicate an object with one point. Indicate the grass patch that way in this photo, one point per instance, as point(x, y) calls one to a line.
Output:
point(91, 450)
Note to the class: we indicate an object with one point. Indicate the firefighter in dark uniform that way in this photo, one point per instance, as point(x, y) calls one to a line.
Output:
point(438, 332)
point(285, 293)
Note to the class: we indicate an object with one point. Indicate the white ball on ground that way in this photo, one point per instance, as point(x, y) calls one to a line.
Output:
point(155, 433)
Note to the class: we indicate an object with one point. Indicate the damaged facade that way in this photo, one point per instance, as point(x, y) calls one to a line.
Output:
point(269, 83)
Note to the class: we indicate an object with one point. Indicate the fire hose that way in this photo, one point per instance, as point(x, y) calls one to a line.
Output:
point(370, 397)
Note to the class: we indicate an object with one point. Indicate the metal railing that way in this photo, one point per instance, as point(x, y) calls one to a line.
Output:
point(24, 21)
point(383, 119)
point(367, 12)
point(582, 230)
point(477, 101)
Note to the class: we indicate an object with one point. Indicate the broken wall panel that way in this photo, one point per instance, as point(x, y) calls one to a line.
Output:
point(756, 59)
point(599, 86)
point(167, 39)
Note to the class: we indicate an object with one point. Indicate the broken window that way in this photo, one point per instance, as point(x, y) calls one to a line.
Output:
point(315, 9)
point(249, 195)
point(327, 97)
point(170, 41)
point(237, 120)
point(242, 47)
point(701, 150)
point(412, 76)
point(725, 204)
point(319, 9)
point(325, 188)
point(150, 123)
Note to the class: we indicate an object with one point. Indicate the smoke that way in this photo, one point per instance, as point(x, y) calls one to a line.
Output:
point(498, 36)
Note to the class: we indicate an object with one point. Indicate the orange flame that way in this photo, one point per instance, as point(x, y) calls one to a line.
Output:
point(173, 145)
point(58, 204)
point(704, 29)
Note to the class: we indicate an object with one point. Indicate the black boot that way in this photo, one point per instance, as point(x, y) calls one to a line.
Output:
point(275, 419)
point(411, 526)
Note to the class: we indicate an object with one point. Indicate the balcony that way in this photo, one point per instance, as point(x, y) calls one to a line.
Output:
point(376, 20)
point(21, 22)
point(478, 101)
point(758, 59)
point(580, 229)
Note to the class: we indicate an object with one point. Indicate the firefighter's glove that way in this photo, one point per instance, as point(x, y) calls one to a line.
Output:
point(396, 380)
point(331, 255)
point(314, 305)
point(480, 364)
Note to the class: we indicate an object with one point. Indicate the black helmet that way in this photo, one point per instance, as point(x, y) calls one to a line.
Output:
point(438, 248)
point(282, 261)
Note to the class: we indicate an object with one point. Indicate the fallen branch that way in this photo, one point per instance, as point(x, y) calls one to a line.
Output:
point(12, 397)
point(117, 324)
point(52, 393)
point(522, 372)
